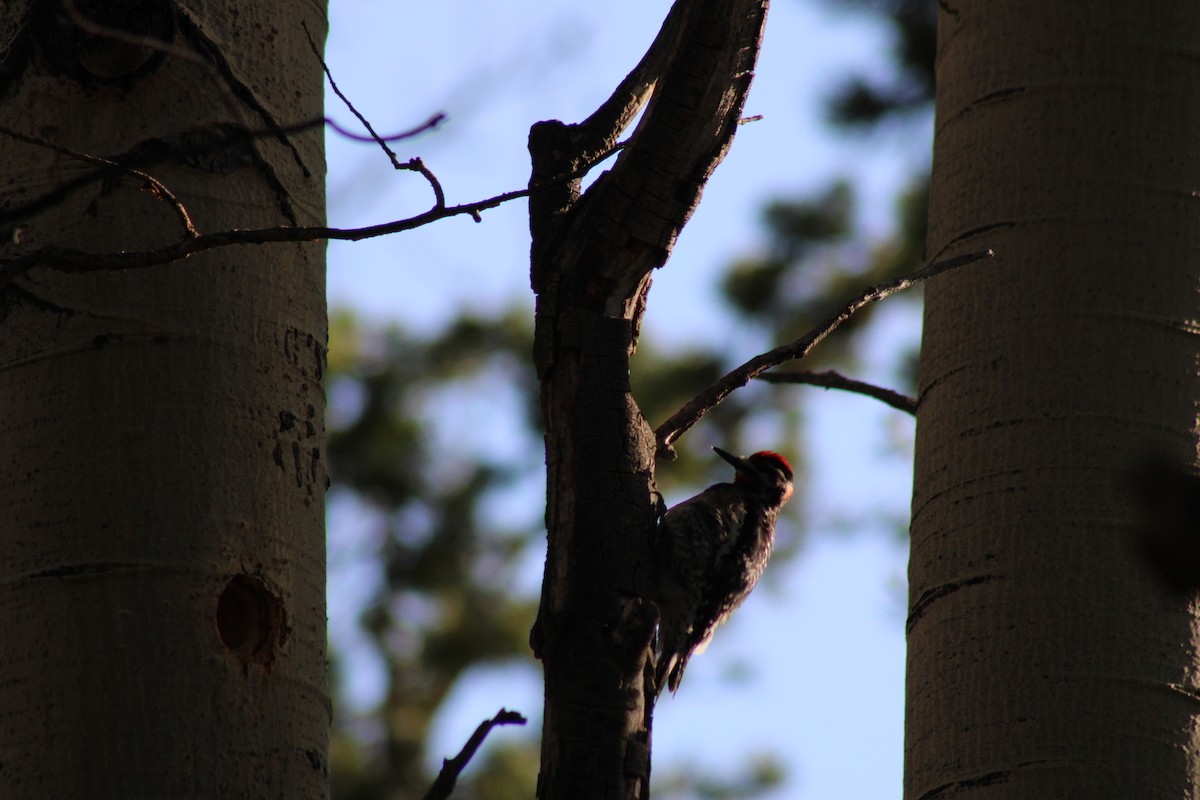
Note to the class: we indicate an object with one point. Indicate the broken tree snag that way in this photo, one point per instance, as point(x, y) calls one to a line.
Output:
point(592, 254)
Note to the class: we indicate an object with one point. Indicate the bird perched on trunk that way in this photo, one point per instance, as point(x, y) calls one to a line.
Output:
point(711, 551)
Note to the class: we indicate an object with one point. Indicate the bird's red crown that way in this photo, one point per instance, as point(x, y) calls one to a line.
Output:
point(772, 456)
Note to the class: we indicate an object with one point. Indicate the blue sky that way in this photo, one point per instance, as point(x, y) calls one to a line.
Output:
point(825, 637)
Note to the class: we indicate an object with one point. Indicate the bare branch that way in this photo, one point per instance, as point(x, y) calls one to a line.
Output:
point(94, 28)
point(600, 131)
point(225, 138)
point(830, 379)
point(153, 184)
point(443, 784)
point(68, 260)
point(439, 196)
point(433, 121)
point(428, 125)
point(683, 419)
point(604, 249)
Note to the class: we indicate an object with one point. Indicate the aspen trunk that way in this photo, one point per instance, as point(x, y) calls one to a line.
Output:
point(1046, 660)
point(163, 477)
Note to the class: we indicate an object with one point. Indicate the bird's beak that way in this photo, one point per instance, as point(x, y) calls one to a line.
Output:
point(739, 463)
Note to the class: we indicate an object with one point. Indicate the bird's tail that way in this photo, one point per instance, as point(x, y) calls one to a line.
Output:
point(662, 670)
point(668, 671)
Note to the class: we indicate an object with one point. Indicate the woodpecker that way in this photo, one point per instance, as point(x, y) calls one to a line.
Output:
point(711, 551)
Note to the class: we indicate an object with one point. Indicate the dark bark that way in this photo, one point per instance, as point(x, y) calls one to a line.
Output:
point(592, 257)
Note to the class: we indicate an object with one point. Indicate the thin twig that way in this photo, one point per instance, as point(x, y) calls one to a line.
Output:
point(439, 196)
point(683, 419)
point(428, 125)
point(232, 136)
point(443, 784)
point(91, 26)
point(156, 187)
point(71, 260)
point(830, 379)
point(346, 100)
point(233, 106)
point(68, 260)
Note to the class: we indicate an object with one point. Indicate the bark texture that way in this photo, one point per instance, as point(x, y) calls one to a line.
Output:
point(1046, 659)
point(592, 257)
point(163, 474)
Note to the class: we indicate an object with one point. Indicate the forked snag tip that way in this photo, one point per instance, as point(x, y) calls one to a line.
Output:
point(444, 783)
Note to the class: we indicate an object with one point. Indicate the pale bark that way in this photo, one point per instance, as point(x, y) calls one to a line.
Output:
point(1046, 660)
point(163, 470)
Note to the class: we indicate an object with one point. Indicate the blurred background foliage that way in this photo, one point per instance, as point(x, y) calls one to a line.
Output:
point(439, 558)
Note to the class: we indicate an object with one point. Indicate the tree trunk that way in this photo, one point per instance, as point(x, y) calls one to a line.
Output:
point(592, 258)
point(163, 476)
point(1046, 659)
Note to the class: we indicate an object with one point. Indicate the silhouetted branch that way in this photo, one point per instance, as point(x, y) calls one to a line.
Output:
point(153, 184)
point(427, 125)
point(68, 260)
point(71, 260)
point(683, 419)
point(417, 165)
point(94, 28)
point(223, 138)
point(829, 379)
point(443, 784)
point(598, 133)
point(382, 141)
